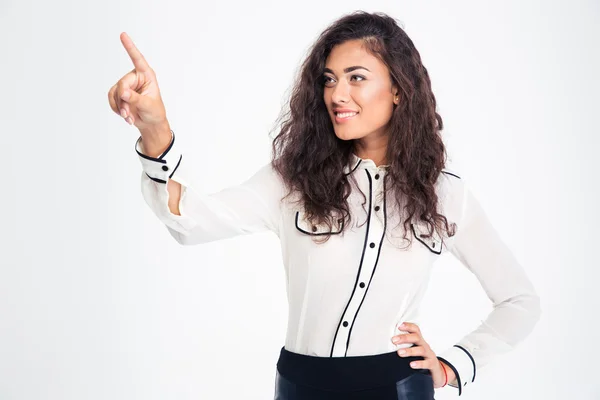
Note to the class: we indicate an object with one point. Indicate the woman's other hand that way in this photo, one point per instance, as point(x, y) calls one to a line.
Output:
point(421, 348)
point(136, 97)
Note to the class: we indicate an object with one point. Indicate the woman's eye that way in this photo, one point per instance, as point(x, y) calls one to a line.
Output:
point(326, 79)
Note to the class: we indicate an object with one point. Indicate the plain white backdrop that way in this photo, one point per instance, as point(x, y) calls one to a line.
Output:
point(97, 301)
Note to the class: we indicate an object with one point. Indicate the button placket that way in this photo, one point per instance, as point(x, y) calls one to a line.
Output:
point(374, 236)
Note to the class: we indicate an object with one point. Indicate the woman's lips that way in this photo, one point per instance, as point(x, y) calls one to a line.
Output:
point(345, 117)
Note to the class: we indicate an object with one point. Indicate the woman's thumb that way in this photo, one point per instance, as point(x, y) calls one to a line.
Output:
point(131, 96)
point(141, 103)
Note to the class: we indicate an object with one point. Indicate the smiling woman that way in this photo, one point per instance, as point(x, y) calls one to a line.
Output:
point(358, 158)
point(363, 81)
point(362, 93)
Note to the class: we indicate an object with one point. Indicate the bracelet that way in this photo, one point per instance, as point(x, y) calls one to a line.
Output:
point(445, 374)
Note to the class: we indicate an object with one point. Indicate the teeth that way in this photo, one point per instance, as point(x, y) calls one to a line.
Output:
point(346, 114)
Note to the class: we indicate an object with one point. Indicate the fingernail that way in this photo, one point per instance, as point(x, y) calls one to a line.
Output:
point(129, 120)
point(123, 113)
point(396, 340)
point(402, 352)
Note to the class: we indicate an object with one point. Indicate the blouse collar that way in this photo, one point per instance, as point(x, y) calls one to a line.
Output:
point(363, 163)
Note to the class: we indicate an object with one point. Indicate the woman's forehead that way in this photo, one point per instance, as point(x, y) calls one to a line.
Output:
point(353, 53)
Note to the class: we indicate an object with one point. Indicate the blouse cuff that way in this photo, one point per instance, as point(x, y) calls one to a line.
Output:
point(162, 168)
point(460, 360)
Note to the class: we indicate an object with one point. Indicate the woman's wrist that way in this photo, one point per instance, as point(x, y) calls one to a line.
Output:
point(156, 139)
point(449, 372)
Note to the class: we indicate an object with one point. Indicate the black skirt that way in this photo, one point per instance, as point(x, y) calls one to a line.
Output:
point(375, 377)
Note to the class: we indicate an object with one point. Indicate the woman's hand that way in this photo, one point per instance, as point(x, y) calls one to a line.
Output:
point(421, 348)
point(136, 96)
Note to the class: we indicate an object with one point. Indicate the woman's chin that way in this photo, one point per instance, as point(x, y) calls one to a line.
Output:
point(345, 134)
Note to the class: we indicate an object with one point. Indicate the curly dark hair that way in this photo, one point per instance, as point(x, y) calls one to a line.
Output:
point(310, 158)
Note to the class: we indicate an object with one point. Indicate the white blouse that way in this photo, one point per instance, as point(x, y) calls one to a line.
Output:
point(367, 278)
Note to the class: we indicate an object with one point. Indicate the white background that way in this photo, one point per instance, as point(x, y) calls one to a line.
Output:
point(97, 301)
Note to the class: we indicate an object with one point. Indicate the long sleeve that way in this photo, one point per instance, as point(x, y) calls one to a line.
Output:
point(516, 305)
point(250, 207)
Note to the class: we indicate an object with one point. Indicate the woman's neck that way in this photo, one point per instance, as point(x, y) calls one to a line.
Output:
point(377, 154)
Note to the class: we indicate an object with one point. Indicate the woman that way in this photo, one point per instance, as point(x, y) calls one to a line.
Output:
point(357, 173)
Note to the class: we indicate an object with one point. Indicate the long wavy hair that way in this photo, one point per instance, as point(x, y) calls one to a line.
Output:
point(310, 158)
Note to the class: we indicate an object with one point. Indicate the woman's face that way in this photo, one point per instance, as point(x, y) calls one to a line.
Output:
point(359, 82)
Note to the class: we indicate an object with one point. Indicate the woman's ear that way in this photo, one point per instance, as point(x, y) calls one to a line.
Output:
point(396, 93)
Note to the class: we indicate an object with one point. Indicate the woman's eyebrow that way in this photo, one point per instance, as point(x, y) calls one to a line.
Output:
point(346, 70)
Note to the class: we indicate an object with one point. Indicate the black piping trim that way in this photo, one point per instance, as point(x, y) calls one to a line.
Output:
point(356, 166)
point(177, 166)
point(160, 158)
point(426, 245)
point(320, 233)
point(156, 179)
point(450, 173)
point(362, 257)
point(374, 267)
point(455, 373)
point(472, 360)
point(170, 146)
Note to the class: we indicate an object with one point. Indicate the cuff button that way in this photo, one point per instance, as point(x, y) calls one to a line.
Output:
point(165, 168)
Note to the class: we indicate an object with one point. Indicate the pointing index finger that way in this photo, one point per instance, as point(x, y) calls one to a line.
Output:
point(138, 59)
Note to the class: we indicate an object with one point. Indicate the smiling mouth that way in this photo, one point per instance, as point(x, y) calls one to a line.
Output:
point(344, 116)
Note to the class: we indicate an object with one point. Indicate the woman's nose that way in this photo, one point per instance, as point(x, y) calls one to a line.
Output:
point(341, 93)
